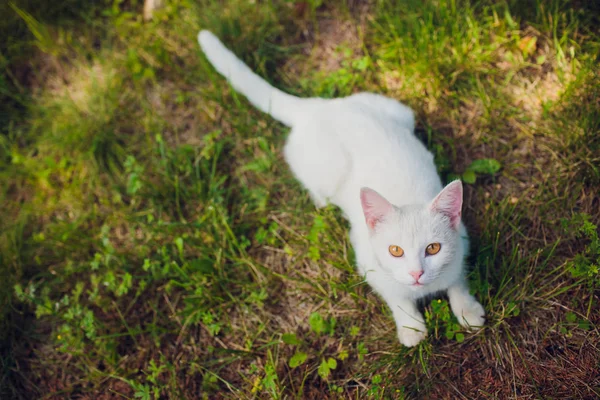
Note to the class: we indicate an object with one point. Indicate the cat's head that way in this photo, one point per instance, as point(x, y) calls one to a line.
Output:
point(416, 244)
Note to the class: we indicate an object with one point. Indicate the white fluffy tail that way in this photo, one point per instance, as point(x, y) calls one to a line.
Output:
point(282, 106)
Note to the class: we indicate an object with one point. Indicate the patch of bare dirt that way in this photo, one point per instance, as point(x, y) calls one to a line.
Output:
point(536, 363)
point(532, 93)
point(335, 38)
point(80, 83)
point(184, 122)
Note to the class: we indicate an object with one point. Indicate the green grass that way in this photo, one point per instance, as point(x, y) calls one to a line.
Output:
point(155, 245)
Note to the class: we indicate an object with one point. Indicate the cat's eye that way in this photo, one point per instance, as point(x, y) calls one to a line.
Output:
point(433, 248)
point(396, 251)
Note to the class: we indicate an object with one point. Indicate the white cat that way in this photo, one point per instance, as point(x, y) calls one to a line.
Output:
point(360, 153)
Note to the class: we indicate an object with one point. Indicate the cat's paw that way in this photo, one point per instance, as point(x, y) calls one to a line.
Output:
point(411, 336)
point(318, 201)
point(471, 315)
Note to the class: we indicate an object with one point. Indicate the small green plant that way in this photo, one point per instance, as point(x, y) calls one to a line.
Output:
point(134, 173)
point(154, 383)
point(268, 235)
point(345, 79)
point(440, 316)
point(319, 326)
point(326, 366)
point(513, 309)
point(586, 264)
point(318, 227)
point(485, 166)
point(573, 321)
point(262, 162)
point(139, 70)
point(376, 389)
point(298, 359)
point(257, 297)
point(270, 381)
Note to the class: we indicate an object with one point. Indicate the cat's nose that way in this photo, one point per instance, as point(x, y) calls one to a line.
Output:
point(416, 275)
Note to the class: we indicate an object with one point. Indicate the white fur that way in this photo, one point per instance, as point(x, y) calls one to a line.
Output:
point(337, 147)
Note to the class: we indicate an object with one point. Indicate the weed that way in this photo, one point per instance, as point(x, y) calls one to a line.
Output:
point(586, 264)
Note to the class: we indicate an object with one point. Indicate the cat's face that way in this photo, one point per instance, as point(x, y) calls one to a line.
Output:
point(415, 244)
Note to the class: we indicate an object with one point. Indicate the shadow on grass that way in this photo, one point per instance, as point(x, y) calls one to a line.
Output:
point(22, 27)
point(18, 49)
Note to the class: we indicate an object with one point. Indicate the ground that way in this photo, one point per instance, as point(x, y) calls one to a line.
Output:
point(155, 245)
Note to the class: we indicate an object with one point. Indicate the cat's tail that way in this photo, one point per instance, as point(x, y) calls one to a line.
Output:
point(281, 106)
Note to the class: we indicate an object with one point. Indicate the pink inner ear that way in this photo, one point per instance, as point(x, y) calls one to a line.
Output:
point(449, 202)
point(375, 207)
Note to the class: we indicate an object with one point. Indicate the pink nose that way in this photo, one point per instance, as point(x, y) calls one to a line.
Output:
point(416, 275)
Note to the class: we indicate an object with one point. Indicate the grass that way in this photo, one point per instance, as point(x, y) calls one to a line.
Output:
point(155, 245)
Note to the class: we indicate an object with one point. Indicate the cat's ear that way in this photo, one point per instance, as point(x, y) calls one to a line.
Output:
point(449, 202)
point(375, 206)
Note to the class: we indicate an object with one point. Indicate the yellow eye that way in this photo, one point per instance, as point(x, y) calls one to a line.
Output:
point(396, 251)
point(433, 248)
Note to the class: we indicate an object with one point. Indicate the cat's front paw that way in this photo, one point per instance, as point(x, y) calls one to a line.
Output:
point(471, 315)
point(411, 336)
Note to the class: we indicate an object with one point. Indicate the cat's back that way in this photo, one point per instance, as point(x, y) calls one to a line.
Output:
point(377, 134)
point(384, 106)
point(372, 127)
point(366, 140)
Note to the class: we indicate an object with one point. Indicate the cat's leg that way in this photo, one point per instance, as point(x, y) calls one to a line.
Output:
point(318, 201)
point(409, 321)
point(317, 161)
point(467, 309)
